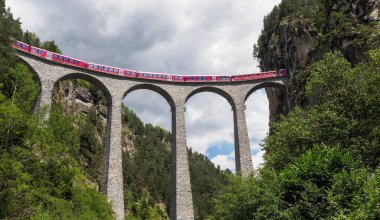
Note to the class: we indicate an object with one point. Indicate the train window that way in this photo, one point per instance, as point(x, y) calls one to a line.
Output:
point(101, 67)
point(75, 62)
point(106, 68)
point(61, 58)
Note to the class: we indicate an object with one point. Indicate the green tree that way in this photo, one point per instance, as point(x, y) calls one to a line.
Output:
point(31, 39)
point(51, 46)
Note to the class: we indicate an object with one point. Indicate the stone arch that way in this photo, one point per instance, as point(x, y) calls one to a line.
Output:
point(277, 85)
point(153, 88)
point(216, 90)
point(90, 79)
point(36, 76)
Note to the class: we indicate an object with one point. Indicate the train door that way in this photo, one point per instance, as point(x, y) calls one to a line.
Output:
point(170, 78)
point(121, 72)
point(213, 78)
point(49, 55)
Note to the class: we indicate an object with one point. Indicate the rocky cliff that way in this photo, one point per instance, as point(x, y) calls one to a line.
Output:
point(298, 32)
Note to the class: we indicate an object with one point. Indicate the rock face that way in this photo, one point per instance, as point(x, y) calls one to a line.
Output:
point(296, 34)
point(74, 99)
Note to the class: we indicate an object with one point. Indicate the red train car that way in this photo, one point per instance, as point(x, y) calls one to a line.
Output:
point(154, 76)
point(65, 60)
point(105, 69)
point(21, 46)
point(253, 76)
point(38, 52)
point(176, 78)
point(223, 78)
point(130, 73)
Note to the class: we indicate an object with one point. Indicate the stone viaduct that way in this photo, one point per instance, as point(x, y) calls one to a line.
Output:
point(116, 88)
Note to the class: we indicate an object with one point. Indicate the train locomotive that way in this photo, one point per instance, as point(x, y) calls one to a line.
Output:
point(58, 58)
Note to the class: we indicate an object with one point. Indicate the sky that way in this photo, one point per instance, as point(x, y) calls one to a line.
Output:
point(171, 36)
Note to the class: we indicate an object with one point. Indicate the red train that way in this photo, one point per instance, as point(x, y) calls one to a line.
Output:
point(58, 58)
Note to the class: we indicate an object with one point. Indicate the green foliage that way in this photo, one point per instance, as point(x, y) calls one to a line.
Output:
point(322, 183)
point(352, 93)
point(254, 197)
point(134, 123)
point(345, 110)
point(39, 172)
point(145, 208)
point(300, 131)
point(22, 88)
point(147, 169)
point(91, 151)
point(206, 181)
point(31, 39)
point(51, 46)
point(322, 161)
point(9, 29)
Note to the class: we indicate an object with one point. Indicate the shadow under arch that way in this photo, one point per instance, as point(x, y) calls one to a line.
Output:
point(216, 90)
point(277, 85)
point(97, 83)
point(153, 88)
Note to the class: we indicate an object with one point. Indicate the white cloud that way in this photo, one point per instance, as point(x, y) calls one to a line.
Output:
point(225, 161)
point(257, 117)
point(258, 159)
point(209, 121)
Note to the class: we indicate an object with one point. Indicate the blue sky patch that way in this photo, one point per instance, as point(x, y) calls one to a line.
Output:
point(223, 148)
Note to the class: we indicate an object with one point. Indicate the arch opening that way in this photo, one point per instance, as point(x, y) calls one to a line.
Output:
point(89, 101)
point(210, 140)
point(260, 103)
point(146, 144)
point(257, 117)
point(215, 90)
